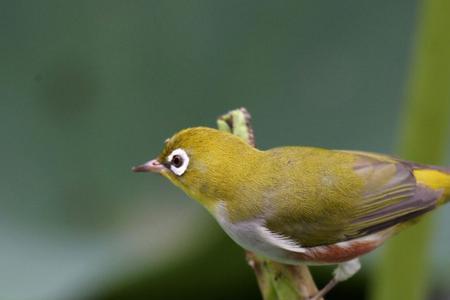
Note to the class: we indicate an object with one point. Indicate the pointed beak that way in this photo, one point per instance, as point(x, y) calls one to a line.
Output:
point(153, 166)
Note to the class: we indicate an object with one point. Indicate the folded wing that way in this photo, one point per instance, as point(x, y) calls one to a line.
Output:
point(390, 195)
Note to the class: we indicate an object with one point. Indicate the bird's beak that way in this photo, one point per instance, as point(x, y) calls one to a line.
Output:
point(153, 166)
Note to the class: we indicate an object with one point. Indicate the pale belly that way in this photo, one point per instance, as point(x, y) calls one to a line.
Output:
point(253, 236)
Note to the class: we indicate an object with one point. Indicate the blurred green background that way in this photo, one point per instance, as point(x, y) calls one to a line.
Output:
point(90, 88)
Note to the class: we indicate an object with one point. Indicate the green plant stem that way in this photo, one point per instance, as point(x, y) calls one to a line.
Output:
point(276, 281)
point(404, 267)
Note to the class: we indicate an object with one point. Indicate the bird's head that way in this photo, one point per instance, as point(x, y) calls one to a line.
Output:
point(206, 163)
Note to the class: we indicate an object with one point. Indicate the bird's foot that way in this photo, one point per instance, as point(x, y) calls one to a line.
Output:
point(330, 285)
point(343, 272)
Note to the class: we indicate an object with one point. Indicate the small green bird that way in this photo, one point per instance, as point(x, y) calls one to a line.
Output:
point(301, 204)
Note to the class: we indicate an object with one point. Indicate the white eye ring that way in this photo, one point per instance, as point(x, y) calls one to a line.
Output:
point(181, 169)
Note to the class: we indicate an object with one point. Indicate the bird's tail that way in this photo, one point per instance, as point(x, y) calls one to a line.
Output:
point(436, 178)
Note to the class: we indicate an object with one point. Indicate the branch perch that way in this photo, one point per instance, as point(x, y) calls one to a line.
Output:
point(276, 281)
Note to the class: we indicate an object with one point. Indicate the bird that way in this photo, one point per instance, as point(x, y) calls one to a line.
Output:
point(301, 205)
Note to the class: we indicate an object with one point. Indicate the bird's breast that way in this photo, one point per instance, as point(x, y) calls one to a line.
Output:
point(250, 235)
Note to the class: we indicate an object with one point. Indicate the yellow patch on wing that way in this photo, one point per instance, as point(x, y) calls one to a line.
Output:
point(434, 179)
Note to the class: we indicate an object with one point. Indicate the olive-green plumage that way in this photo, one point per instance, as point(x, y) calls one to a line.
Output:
point(301, 204)
point(310, 195)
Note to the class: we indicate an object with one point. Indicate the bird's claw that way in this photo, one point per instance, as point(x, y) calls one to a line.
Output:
point(315, 297)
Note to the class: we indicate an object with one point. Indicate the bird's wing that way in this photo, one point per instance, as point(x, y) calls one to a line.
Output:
point(390, 195)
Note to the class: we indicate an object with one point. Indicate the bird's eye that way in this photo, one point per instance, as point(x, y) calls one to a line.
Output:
point(179, 161)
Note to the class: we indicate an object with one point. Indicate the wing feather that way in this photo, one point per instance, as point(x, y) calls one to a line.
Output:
point(389, 195)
